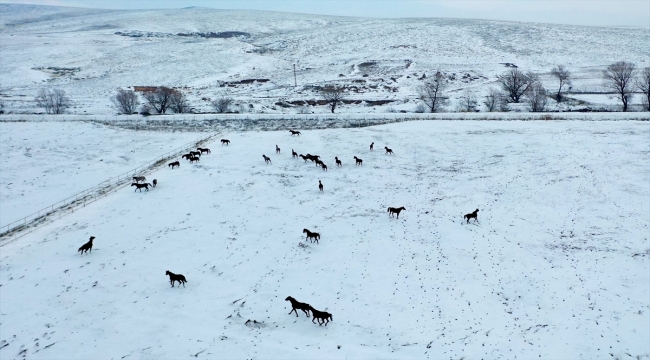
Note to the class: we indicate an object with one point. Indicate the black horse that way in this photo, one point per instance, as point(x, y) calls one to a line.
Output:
point(140, 186)
point(297, 305)
point(175, 163)
point(176, 277)
point(311, 236)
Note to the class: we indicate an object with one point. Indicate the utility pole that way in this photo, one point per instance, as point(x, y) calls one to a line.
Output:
point(295, 82)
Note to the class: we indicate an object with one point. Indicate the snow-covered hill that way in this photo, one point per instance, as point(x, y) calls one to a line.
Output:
point(557, 266)
point(210, 53)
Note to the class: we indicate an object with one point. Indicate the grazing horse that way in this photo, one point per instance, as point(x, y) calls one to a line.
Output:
point(175, 163)
point(320, 186)
point(277, 149)
point(155, 182)
point(194, 158)
point(140, 186)
point(313, 158)
point(266, 159)
point(204, 150)
point(389, 151)
point(372, 146)
point(139, 178)
point(87, 246)
point(311, 235)
point(187, 156)
point(195, 153)
point(322, 316)
point(225, 141)
point(323, 166)
point(294, 132)
point(176, 277)
point(338, 162)
point(392, 210)
point(358, 161)
point(297, 305)
point(473, 214)
point(293, 153)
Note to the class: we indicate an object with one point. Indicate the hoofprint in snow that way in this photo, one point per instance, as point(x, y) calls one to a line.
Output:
point(557, 265)
point(250, 56)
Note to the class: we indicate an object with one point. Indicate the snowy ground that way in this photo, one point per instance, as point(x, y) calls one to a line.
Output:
point(92, 53)
point(45, 162)
point(557, 266)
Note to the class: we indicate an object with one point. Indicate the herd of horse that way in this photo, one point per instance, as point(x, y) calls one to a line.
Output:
point(194, 156)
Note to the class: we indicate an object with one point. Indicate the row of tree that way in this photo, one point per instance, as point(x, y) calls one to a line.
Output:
point(621, 77)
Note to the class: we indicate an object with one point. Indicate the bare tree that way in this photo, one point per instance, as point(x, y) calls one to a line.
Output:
point(515, 83)
point(536, 97)
point(431, 93)
point(178, 103)
point(467, 102)
point(563, 75)
point(159, 99)
point(643, 84)
point(333, 94)
point(618, 77)
point(53, 101)
point(491, 100)
point(222, 104)
point(125, 101)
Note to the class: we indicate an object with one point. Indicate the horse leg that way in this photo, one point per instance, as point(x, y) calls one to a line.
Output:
point(306, 312)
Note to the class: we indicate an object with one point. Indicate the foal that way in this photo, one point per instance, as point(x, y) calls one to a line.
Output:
point(389, 151)
point(472, 215)
point(277, 149)
point(322, 316)
point(266, 159)
point(392, 211)
point(175, 163)
point(358, 161)
point(338, 162)
point(176, 277)
point(297, 305)
point(320, 186)
point(87, 246)
point(311, 235)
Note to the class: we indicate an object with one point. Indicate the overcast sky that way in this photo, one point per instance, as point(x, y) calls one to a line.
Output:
point(634, 13)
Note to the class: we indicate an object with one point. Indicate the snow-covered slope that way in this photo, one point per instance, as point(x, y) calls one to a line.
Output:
point(557, 266)
point(91, 53)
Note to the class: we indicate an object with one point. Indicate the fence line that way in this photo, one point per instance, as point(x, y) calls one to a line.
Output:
point(17, 228)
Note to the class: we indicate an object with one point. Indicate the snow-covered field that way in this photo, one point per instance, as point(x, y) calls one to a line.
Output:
point(92, 53)
point(558, 265)
point(45, 162)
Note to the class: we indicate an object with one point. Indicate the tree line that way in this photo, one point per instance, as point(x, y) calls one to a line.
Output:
point(514, 86)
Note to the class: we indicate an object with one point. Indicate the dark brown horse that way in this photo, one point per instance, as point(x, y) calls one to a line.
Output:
point(293, 153)
point(140, 186)
point(225, 142)
point(194, 158)
point(195, 153)
point(176, 277)
point(320, 186)
point(266, 159)
point(338, 162)
point(471, 215)
point(204, 150)
point(155, 182)
point(392, 211)
point(311, 236)
point(297, 305)
point(323, 166)
point(187, 156)
point(358, 161)
point(139, 178)
point(175, 163)
point(372, 146)
point(389, 151)
point(294, 132)
point(322, 316)
point(277, 149)
point(87, 246)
